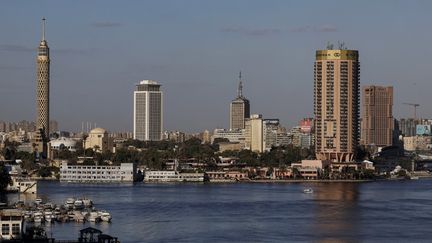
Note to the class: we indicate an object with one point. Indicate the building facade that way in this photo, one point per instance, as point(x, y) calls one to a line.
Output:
point(336, 104)
point(98, 140)
point(42, 94)
point(148, 111)
point(12, 224)
point(417, 143)
point(377, 116)
point(408, 126)
point(239, 109)
point(234, 136)
point(254, 133)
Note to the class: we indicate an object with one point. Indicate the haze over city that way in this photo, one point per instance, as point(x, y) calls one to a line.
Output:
point(101, 49)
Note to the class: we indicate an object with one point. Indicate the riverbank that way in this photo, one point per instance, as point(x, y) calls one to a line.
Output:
point(307, 181)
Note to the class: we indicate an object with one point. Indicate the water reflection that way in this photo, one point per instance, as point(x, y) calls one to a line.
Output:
point(337, 215)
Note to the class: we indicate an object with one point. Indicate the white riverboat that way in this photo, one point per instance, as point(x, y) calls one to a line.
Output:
point(172, 176)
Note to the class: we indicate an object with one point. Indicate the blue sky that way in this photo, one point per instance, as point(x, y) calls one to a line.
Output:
point(195, 49)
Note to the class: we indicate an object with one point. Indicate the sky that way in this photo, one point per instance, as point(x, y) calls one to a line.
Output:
point(101, 49)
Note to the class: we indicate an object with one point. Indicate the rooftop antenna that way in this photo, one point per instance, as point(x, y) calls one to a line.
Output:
point(329, 46)
point(341, 45)
point(240, 87)
point(43, 28)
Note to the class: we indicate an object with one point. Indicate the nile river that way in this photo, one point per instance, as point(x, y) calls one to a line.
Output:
point(385, 211)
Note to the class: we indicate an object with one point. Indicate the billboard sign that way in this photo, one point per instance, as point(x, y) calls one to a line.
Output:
point(423, 130)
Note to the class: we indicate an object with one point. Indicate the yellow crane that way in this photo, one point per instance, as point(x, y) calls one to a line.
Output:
point(415, 108)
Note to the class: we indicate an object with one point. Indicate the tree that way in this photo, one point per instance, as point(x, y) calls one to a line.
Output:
point(45, 171)
point(248, 157)
point(89, 152)
point(5, 178)
point(296, 173)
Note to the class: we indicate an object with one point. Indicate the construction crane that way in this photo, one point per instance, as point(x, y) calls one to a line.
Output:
point(415, 108)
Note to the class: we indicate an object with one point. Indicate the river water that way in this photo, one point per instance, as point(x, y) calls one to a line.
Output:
point(385, 211)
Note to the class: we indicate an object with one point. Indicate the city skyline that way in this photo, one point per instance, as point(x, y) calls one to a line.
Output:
point(204, 56)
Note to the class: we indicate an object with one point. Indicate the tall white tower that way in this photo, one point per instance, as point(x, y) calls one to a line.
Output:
point(148, 111)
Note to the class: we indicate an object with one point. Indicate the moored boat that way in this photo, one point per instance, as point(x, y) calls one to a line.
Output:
point(78, 204)
point(308, 190)
point(69, 204)
point(105, 216)
point(94, 217)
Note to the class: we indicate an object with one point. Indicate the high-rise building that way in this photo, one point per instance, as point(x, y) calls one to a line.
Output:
point(148, 116)
point(377, 116)
point(270, 130)
point(336, 103)
point(254, 133)
point(42, 93)
point(239, 108)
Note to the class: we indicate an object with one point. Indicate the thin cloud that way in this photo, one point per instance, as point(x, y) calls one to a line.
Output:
point(16, 48)
point(106, 24)
point(74, 51)
point(252, 32)
point(326, 28)
point(300, 29)
point(276, 31)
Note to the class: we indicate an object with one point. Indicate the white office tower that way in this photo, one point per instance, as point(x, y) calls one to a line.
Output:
point(148, 117)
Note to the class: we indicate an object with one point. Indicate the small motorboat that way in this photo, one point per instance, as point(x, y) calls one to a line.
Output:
point(38, 217)
point(94, 217)
point(308, 190)
point(49, 216)
point(78, 204)
point(69, 203)
point(105, 216)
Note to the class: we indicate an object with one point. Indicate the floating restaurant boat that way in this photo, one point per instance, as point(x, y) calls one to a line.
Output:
point(172, 176)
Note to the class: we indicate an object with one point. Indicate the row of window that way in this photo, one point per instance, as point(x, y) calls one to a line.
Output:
point(93, 177)
point(93, 172)
point(93, 167)
point(15, 229)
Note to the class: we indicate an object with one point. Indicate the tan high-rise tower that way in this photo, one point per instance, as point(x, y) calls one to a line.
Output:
point(377, 116)
point(239, 109)
point(42, 93)
point(336, 106)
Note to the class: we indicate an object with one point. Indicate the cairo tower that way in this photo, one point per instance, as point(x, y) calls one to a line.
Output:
point(42, 93)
